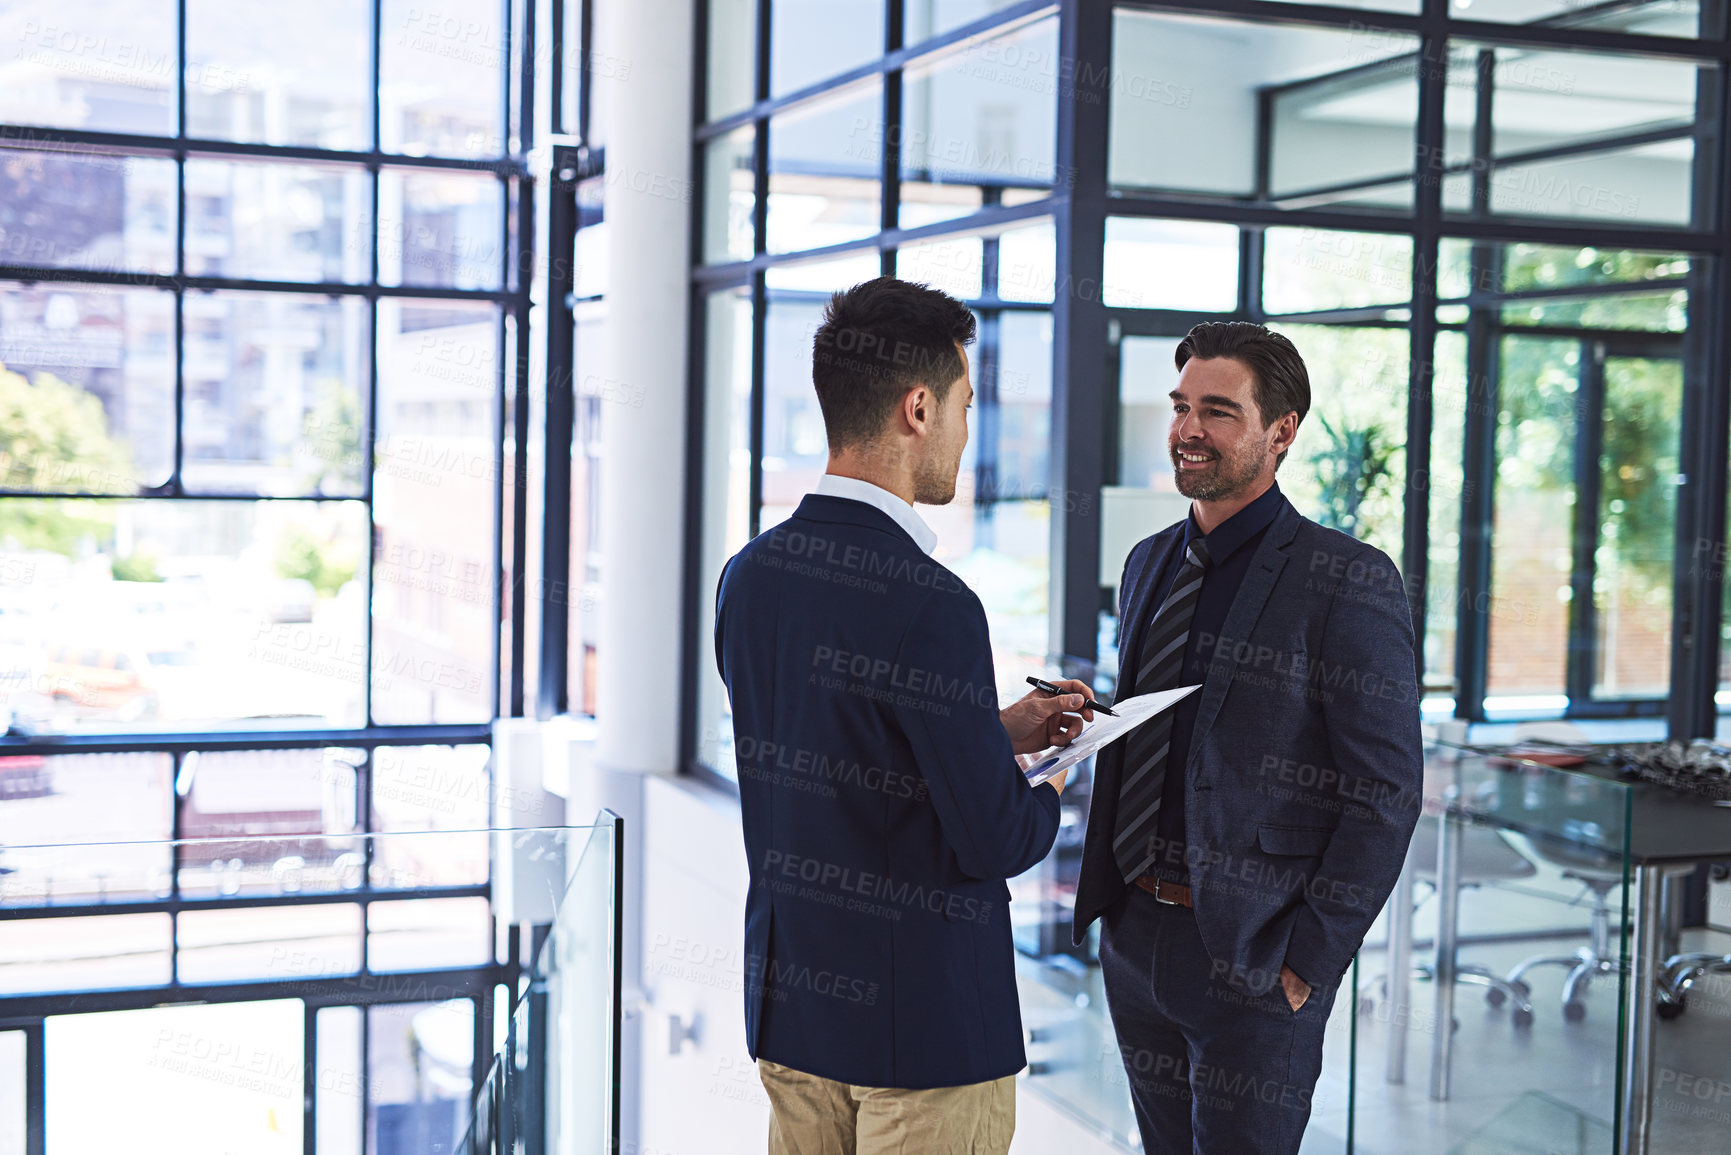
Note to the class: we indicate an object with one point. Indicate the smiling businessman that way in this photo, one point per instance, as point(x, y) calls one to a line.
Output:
point(882, 804)
point(1233, 901)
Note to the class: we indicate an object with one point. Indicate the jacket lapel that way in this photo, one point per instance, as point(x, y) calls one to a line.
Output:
point(1265, 567)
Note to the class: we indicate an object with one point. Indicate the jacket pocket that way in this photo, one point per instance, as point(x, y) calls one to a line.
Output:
point(1296, 841)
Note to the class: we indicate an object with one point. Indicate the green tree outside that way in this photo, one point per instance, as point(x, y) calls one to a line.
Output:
point(54, 437)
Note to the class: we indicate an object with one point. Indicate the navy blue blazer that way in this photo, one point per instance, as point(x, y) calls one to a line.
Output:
point(1304, 778)
point(883, 809)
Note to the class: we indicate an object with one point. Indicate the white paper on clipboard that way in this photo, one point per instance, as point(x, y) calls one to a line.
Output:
point(1132, 712)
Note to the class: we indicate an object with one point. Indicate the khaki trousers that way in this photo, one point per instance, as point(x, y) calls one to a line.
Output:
point(816, 1116)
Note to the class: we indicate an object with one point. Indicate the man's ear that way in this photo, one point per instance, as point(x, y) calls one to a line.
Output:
point(918, 409)
point(1286, 432)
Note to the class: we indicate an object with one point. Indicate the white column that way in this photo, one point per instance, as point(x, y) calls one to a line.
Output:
point(647, 49)
point(642, 101)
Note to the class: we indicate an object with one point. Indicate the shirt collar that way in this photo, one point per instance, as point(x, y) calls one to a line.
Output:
point(853, 489)
point(1226, 538)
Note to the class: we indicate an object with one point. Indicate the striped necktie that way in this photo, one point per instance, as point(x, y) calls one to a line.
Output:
point(1147, 747)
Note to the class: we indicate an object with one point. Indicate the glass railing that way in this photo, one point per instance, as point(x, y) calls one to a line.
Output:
point(580, 965)
point(553, 1084)
point(335, 991)
point(1502, 986)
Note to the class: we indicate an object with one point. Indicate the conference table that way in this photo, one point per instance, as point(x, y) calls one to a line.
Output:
point(1586, 810)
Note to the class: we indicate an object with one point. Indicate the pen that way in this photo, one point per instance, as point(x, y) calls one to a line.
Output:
point(1088, 704)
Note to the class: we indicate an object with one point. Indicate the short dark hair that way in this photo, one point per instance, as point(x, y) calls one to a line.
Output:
point(1281, 381)
point(878, 340)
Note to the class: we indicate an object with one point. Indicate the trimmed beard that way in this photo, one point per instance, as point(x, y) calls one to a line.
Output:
point(1226, 479)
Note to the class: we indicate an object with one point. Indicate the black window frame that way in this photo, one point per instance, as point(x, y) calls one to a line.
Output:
point(566, 28)
point(1084, 381)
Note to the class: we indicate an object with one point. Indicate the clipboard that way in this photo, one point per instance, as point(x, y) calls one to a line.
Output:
point(1132, 712)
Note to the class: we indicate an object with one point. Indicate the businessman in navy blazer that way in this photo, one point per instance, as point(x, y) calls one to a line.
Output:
point(1238, 861)
point(883, 807)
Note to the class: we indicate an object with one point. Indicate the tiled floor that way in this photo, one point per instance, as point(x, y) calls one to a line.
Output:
point(1548, 1089)
point(1571, 1063)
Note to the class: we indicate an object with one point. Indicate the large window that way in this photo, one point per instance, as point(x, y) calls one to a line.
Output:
point(1556, 369)
point(1309, 117)
point(262, 285)
point(594, 395)
point(1299, 188)
point(284, 437)
point(1579, 358)
point(812, 190)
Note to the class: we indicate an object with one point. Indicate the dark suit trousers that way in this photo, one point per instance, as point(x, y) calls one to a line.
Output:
point(1214, 1069)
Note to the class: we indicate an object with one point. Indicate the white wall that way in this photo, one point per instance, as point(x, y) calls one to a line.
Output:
point(705, 1099)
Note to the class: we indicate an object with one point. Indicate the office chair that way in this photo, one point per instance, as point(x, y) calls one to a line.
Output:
point(1681, 970)
point(1600, 872)
point(1485, 857)
point(1601, 875)
point(1679, 974)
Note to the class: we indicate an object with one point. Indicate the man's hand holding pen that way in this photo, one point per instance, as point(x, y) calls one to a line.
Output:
point(1040, 719)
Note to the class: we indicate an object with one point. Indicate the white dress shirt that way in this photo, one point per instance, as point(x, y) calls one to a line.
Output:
point(830, 485)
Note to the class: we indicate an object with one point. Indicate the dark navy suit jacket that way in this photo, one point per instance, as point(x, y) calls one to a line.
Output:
point(883, 809)
point(1303, 780)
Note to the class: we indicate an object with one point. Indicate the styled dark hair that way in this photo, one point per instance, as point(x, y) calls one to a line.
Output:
point(1281, 382)
point(878, 340)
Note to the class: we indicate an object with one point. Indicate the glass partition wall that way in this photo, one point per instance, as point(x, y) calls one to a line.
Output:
point(1496, 233)
point(1512, 932)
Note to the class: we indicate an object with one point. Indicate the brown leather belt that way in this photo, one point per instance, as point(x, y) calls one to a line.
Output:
point(1163, 891)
